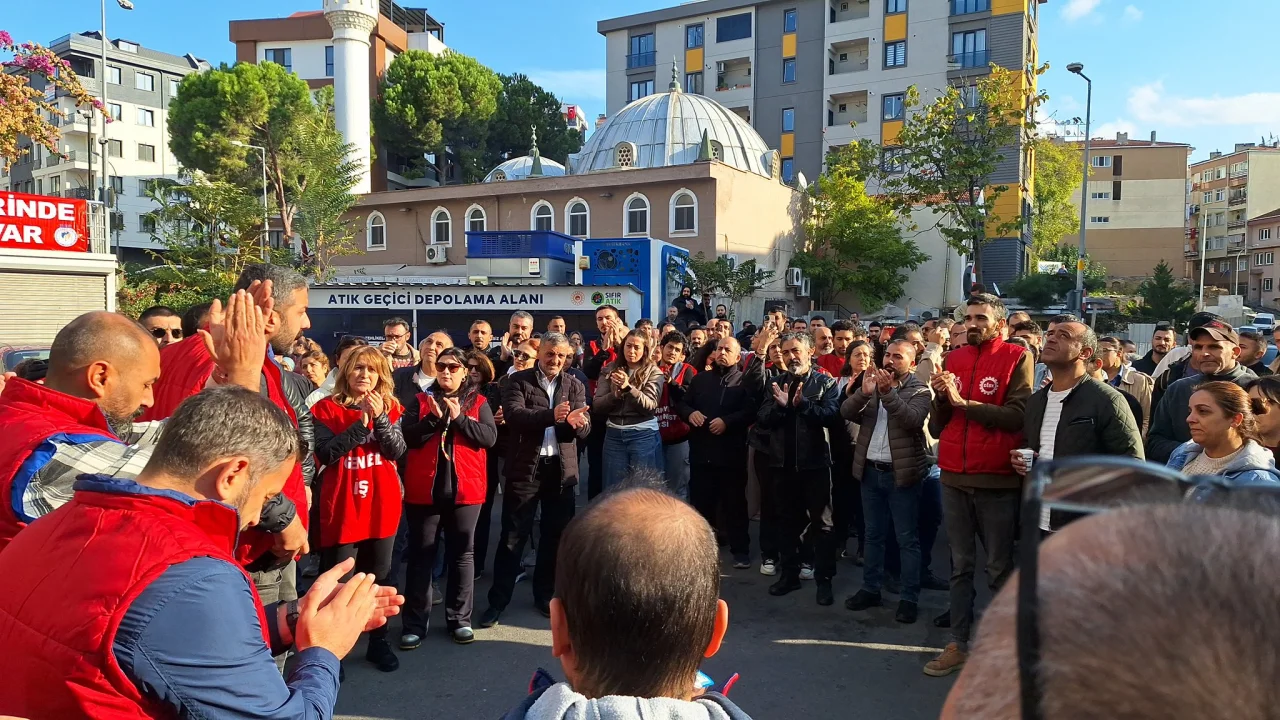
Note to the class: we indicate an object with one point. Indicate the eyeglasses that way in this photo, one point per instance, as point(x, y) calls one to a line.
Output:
point(1086, 485)
point(521, 355)
point(448, 367)
point(401, 336)
point(159, 333)
point(471, 366)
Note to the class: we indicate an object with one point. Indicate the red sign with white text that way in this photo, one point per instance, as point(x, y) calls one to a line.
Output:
point(40, 222)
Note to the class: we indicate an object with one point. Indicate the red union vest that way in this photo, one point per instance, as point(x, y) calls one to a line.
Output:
point(70, 579)
point(185, 369)
point(672, 428)
point(360, 494)
point(595, 350)
point(470, 462)
point(984, 372)
point(30, 414)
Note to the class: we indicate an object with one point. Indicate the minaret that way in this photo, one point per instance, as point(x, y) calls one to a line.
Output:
point(352, 22)
point(536, 169)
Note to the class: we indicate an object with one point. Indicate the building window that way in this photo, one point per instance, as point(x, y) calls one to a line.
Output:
point(894, 160)
point(693, 36)
point(788, 120)
point(788, 170)
point(126, 46)
point(476, 219)
point(146, 153)
point(789, 21)
point(117, 185)
point(174, 85)
point(895, 6)
point(624, 155)
point(895, 54)
point(969, 49)
point(1264, 258)
point(113, 75)
point(542, 218)
point(1100, 219)
point(1219, 195)
point(684, 213)
point(1101, 161)
point(146, 117)
point(969, 96)
point(1099, 196)
point(964, 7)
point(441, 227)
point(1264, 234)
point(144, 187)
point(642, 54)
point(693, 83)
point(376, 235)
point(637, 215)
point(144, 81)
point(789, 70)
point(893, 109)
point(733, 27)
point(328, 61)
point(147, 223)
point(115, 148)
point(1266, 284)
point(578, 220)
point(1242, 264)
point(717, 150)
point(1208, 196)
point(280, 56)
point(641, 89)
point(116, 111)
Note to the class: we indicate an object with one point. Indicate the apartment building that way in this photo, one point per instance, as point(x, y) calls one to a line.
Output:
point(1264, 274)
point(1137, 205)
point(1227, 191)
point(141, 83)
point(811, 75)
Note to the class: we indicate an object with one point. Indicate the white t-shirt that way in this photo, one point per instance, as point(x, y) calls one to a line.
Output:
point(1049, 426)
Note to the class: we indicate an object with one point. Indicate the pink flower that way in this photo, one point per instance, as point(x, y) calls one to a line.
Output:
point(5, 38)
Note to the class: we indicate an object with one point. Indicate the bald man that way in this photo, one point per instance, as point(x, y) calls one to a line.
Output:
point(102, 367)
point(1136, 623)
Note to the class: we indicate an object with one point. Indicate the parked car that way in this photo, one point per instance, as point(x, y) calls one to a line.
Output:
point(11, 355)
point(1266, 322)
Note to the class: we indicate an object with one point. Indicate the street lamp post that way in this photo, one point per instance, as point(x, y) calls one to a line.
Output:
point(124, 5)
point(262, 244)
point(1078, 69)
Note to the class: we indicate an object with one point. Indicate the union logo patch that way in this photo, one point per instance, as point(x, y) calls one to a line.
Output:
point(988, 385)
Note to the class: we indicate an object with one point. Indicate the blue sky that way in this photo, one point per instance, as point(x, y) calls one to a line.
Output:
point(1200, 73)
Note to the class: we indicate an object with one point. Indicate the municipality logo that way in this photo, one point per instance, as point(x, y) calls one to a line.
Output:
point(66, 237)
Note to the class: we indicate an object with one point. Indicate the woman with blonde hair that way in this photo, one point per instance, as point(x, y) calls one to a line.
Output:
point(358, 440)
point(627, 395)
point(1224, 436)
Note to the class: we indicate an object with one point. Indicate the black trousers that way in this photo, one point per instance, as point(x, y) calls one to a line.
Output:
point(846, 499)
point(520, 501)
point(372, 556)
point(805, 497)
point(483, 524)
point(595, 457)
point(770, 507)
point(719, 493)
point(459, 523)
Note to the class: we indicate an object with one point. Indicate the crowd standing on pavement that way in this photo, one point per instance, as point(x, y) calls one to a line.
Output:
point(223, 479)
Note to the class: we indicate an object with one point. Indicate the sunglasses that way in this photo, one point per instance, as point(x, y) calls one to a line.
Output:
point(159, 333)
point(448, 367)
point(521, 355)
point(471, 366)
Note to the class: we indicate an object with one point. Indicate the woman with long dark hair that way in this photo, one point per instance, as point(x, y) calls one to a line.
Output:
point(449, 429)
point(1265, 392)
point(1224, 436)
point(627, 396)
point(358, 440)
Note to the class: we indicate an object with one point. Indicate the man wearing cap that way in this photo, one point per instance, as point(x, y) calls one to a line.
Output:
point(1215, 347)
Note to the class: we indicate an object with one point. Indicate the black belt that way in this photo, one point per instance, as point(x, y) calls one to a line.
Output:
point(885, 467)
point(548, 459)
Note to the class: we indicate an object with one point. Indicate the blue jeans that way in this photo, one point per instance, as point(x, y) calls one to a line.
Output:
point(889, 508)
point(930, 521)
point(627, 450)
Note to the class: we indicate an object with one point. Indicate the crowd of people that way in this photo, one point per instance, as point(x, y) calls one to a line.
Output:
point(194, 468)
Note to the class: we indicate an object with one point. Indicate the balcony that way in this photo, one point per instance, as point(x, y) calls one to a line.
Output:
point(1240, 172)
point(1238, 198)
point(846, 108)
point(842, 10)
point(1238, 180)
point(1190, 250)
point(733, 75)
point(852, 56)
point(968, 7)
point(972, 59)
point(82, 193)
point(1236, 223)
point(640, 60)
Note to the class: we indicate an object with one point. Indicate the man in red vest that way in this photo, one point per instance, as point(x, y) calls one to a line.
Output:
point(127, 602)
point(978, 407)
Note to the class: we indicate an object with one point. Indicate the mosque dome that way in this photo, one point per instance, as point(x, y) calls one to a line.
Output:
point(675, 128)
point(519, 168)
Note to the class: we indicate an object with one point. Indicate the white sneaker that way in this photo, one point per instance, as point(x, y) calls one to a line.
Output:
point(768, 567)
point(806, 572)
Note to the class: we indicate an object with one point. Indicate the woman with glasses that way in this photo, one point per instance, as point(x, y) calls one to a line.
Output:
point(524, 356)
point(358, 440)
point(1224, 437)
point(345, 346)
point(449, 429)
point(627, 396)
point(1266, 392)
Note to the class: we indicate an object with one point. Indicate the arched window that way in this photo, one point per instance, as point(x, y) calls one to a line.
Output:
point(542, 218)
point(578, 218)
point(684, 213)
point(717, 150)
point(625, 155)
point(475, 219)
point(499, 175)
point(376, 232)
point(637, 215)
point(441, 227)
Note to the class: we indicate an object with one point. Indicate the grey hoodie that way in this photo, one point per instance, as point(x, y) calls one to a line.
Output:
point(560, 702)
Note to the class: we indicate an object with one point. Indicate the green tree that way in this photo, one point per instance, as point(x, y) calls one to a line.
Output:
point(1057, 174)
point(947, 151)
point(720, 277)
point(524, 105)
point(427, 103)
point(853, 241)
point(1095, 273)
point(324, 195)
point(1040, 290)
point(1165, 298)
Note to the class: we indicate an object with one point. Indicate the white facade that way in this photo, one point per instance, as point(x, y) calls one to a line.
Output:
point(352, 22)
point(1144, 204)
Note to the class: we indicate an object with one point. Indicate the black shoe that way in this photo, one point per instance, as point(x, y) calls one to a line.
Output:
point(943, 620)
point(907, 612)
point(933, 582)
point(785, 584)
point(490, 617)
point(381, 655)
point(825, 596)
point(862, 600)
point(892, 585)
point(543, 607)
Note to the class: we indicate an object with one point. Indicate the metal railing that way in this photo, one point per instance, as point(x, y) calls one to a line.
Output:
point(644, 59)
point(973, 59)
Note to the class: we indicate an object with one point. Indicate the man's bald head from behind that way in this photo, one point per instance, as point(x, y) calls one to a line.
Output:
point(637, 603)
point(108, 359)
point(1160, 611)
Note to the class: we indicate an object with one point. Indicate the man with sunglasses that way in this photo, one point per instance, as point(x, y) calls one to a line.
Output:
point(164, 324)
point(397, 347)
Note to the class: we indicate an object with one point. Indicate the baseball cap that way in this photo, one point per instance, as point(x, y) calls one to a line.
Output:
point(1216, 326)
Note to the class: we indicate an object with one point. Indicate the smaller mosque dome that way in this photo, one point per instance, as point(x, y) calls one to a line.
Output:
point(521, 167)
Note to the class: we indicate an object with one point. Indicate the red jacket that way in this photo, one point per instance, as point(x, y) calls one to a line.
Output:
point(30, 414)
point(972, 448)
point(672, 429)
point(70, 579)
point(360, 494)
point(831, 363)
point(185, 369)
point(470, 462)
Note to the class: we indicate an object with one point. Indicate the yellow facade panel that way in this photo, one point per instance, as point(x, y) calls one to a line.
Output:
point(693, 60)
point(789, 45)
point(1008, 207)
point(895, 27)
point(787, 148)
point(889, 132)
point(1008, 7)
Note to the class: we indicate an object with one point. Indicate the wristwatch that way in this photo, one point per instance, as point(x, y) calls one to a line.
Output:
point(291, 616)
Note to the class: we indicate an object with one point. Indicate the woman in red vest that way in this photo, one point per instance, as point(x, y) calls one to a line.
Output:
point(358, 440)
point(449, 429)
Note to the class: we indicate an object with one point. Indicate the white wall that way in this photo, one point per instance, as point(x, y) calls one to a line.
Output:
point(306, 56)
point(1142, 204)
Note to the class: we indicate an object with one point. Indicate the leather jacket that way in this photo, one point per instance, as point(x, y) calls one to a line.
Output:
point(296, 389)
point(804, 424)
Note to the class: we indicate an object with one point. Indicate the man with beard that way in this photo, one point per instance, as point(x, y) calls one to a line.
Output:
point(719, 407)
point(164, 324)
point(824, 346)
point(1162, 341)
point(697, 338)
point(701, 358)
point(481, 335)
point(102, 367)
point(519, 329)
point(674, 430)
point(599, 354)
point(978, 407)
point(689, 311)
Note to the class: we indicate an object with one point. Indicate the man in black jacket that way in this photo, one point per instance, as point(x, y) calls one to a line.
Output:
point(519, 329)
point(799, 405)
point(1162, 341)
point(546, 411)
point(600, 353)
point(719, 407)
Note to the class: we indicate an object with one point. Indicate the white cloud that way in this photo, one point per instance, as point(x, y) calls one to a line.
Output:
point(1074, 10)
point(1132, 14)
point(1108, 130)
point(571, 86)
point(1151, 105)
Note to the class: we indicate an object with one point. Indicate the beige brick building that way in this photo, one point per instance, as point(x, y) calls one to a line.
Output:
point(1264, 274)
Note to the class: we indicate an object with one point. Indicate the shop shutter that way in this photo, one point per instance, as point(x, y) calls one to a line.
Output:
point(35, 306)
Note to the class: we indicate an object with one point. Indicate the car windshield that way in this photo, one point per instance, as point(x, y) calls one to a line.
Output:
point(13, 357)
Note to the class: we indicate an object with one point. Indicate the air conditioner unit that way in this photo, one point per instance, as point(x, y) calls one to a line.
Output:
point(437, 254)
point(794, 277)
point(805, 287)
